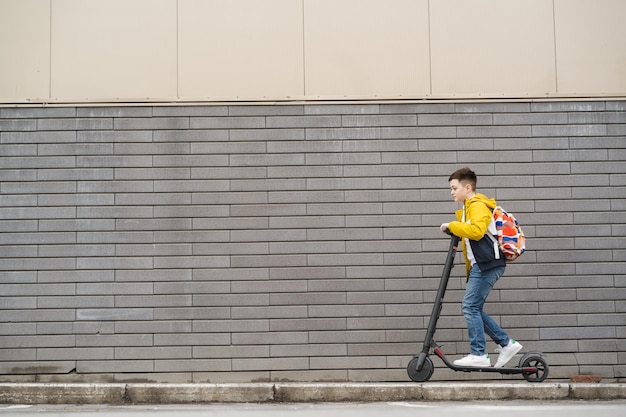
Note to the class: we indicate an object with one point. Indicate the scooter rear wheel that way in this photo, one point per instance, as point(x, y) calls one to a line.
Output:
point(422, 375)
point(541, 366)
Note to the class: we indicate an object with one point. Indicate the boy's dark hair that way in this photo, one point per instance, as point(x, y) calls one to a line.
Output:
point(464, 175)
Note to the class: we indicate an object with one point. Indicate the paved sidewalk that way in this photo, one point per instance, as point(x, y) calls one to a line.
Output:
point(162, 393)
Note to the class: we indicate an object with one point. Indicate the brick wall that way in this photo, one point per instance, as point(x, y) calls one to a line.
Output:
point(299, 242)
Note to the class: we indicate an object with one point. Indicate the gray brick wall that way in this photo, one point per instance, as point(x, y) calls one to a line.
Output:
point(299, 242)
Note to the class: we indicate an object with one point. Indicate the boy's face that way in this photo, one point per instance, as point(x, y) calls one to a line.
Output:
point(460, 190)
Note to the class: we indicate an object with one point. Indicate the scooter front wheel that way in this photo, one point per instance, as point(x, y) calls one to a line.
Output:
point(422, 375)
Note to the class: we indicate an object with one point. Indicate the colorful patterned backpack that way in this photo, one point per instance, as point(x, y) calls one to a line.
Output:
point(510, 236)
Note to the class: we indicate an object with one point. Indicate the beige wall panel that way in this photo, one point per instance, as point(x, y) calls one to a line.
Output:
point(24, 50)
point(591, 46)
point(366, 48)
point(492, 48)
point(241, 49)
point(60, 51)
point(104, 50)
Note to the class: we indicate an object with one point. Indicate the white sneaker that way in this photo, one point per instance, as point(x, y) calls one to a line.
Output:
point(507, 352)
point(480, 361)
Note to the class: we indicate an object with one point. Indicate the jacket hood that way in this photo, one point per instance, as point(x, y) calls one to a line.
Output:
point(489, 202)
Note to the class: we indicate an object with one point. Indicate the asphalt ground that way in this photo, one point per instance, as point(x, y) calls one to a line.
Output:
point(567, 408)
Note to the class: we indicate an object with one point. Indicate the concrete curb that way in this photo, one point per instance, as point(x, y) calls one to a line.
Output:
point(62, 393)
point(53, 393)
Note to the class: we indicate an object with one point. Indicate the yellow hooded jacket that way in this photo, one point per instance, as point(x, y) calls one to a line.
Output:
point(478, 216)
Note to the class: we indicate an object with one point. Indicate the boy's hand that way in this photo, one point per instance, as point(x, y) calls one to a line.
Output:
point(444, 227)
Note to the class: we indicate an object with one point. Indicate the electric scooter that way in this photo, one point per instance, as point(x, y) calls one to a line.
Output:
point(532, 365)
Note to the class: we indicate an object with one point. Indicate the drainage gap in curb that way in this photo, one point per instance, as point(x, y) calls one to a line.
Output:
point(126, 397)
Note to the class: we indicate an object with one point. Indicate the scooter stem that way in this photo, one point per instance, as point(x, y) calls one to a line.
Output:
point(441, 291)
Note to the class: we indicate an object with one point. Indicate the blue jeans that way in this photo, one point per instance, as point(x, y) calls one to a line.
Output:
point(479, 322)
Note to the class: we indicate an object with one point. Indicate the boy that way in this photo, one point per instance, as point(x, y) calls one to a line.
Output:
point(484, 265)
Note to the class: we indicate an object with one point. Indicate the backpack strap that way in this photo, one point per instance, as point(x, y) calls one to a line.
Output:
point(496, 245)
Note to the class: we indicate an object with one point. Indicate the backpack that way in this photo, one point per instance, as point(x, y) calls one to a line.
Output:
point(510, 236)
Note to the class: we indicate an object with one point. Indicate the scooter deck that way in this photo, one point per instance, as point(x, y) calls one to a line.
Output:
point(502, 370)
